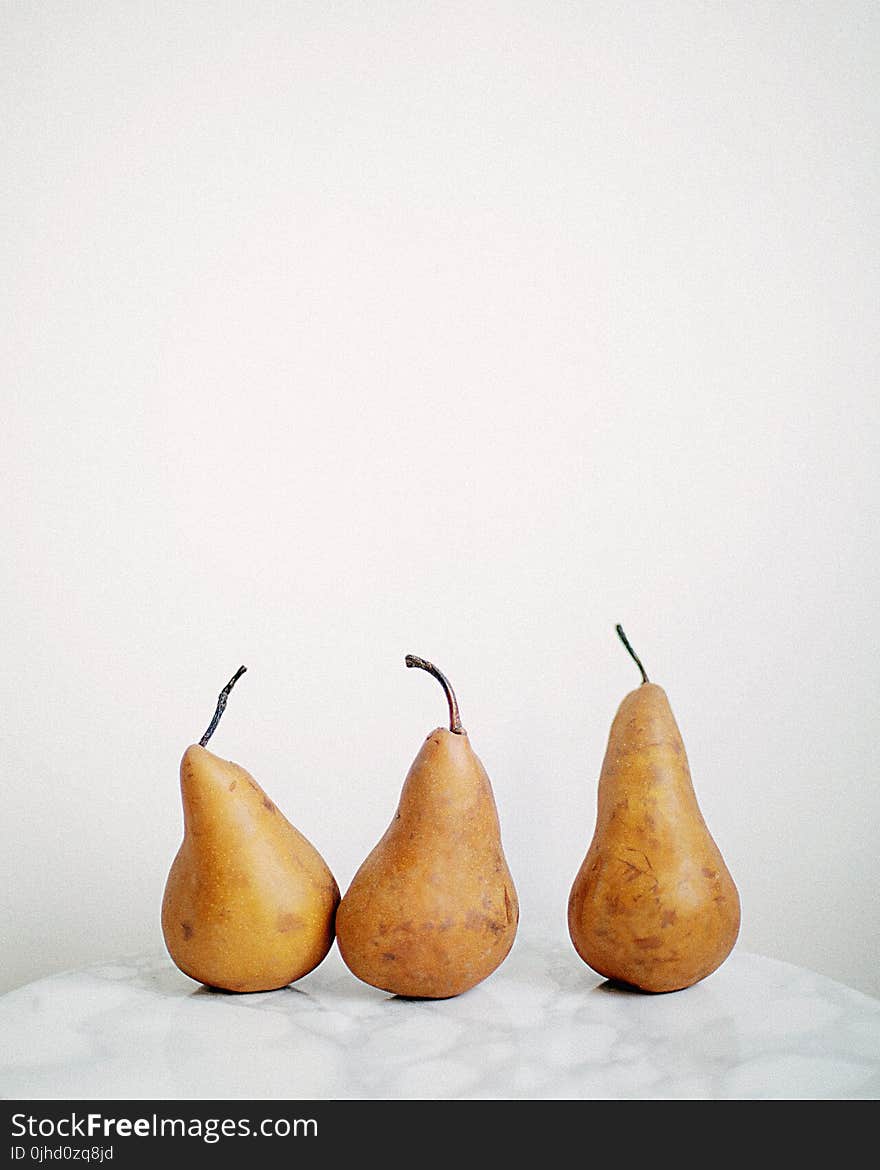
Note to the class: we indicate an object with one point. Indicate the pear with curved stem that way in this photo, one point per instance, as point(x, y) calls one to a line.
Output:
point(249, 902)
point(433, 910)
point(653, 904)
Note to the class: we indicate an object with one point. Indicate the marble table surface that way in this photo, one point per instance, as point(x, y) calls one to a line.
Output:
point(543, 1026)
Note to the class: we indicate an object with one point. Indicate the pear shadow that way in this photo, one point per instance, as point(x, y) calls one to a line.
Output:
point(618, 987)
point(225, 993)
point(423, 998)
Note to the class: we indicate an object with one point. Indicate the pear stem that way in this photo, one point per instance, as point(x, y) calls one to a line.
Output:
point(632, 652)
point(221, 705)
point(454, 717)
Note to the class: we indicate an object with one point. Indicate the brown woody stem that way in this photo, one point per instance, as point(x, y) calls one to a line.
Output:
point(454, 717)
point(221, 705)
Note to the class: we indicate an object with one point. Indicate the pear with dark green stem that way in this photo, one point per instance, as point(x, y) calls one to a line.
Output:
point(653, 904)
point(249, 903)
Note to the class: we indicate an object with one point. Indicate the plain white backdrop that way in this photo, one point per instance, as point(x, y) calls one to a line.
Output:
point(333, 332)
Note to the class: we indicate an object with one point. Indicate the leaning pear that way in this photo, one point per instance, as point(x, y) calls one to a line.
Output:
point(249, 903)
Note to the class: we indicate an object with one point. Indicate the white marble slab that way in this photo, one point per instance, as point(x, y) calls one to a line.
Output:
point(543, 1026)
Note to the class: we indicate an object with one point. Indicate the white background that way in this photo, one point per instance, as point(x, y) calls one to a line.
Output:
point(337, 331)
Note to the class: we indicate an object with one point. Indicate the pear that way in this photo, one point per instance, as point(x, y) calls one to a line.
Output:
point(653, 904)
point(249, 903)
point(433, 910)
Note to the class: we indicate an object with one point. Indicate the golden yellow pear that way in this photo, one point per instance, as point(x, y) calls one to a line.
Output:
point(653, 904)
point(249, 902)
point(433, 910)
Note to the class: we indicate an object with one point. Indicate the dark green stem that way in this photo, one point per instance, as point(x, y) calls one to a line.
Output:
point(454, 717)
point(221, 705)
point(632, 652)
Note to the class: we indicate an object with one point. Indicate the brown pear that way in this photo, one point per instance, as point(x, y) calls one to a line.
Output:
point(433, 911)
point(653, 904)
point(249, 903)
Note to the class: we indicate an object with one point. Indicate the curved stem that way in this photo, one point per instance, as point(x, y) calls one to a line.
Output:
point(221, 705)
point(454, 717)
point(632, 652)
